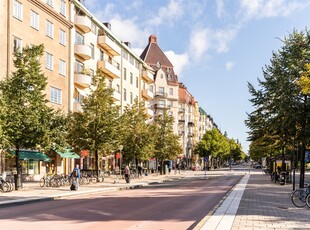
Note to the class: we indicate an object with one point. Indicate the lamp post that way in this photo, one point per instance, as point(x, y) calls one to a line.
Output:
point(120, 147)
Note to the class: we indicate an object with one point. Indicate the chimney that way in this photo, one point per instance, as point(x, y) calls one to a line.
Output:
point(152, 39)
point(108, 25)
point(128, 44)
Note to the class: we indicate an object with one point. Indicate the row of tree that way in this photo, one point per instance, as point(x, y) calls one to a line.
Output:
point(214, 145)
point(27, 122)
point(280, 119)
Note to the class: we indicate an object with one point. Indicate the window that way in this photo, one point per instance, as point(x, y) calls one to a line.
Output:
point(93, 28)
point(131, 60)
point(18, 10)
point(50, 2)
point(131, 78)
point(170, 91)
point(62, 67)
point(151, 88)
point(49, 61)
point(101, 57)
point(131, 98)
point(125, 55)
point(92, 51)
point(49, 29)
point(17, 44)
point(125, 73)
point(34, 20)
point(55, 95)
point(79, 67)
point(171, 104)
point(79, 39)
point(62, 37)
point(117, 88)
point(161, 90)
point(137, 82)
point(125, 95)
point(63, 7)
point(110, 84)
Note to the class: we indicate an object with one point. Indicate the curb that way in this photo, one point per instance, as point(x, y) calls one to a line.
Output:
point(23, 201)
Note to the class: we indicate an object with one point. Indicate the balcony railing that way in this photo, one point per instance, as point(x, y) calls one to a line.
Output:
point(84, 51)
point(160, 94)
point(83, 23)
point(108, 44)
point(148, 76)
point(149, 112)
point(109, 69)
point(181, 110)
point(148, 95)
point(82, 79)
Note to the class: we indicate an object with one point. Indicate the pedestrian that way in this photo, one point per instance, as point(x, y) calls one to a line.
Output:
point(139, 171)
point(127, 174)
point(75, 176)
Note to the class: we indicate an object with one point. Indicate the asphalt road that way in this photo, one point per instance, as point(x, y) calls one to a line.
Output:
point(170, 205)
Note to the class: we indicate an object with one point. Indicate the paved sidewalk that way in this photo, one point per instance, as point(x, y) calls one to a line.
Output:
point(256, 203)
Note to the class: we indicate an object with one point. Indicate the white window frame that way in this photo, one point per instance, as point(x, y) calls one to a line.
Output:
point(55, 95)
point(62, 37)
point(18, 10)
point(62, 67)
point(17, 44)
point(49, 29)
point(125, 95)
point(63, 7)
point(34, 20)
point(49, 64)
point(50, 3)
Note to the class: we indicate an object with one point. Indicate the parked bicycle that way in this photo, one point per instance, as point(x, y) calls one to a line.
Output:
point(6, 186)
point(299, 196)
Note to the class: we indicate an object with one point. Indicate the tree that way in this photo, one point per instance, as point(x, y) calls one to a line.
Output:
point(26, 118)
point(167, 144)
point(281, 115)
point(96, 127)
point(137, 135)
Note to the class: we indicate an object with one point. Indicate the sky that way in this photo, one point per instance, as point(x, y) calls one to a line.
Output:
point(216, 47)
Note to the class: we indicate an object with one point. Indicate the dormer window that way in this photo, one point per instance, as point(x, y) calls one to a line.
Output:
point(169, 77)
point(158, 64)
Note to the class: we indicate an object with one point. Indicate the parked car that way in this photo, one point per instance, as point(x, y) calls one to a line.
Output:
point(257, 166)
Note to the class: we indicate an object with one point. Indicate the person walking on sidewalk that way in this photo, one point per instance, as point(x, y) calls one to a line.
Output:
point(139, 171)
point(75, 175)
point(127, 174)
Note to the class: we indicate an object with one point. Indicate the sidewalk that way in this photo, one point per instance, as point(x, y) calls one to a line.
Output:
point(257, 203)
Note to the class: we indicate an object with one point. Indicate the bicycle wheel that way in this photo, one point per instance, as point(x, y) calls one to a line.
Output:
point(308, 200)
point(298, 198)
point(6, 187)
point(42, 182)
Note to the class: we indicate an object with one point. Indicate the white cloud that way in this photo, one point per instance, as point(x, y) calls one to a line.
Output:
point(220, 8)
point(268, 8)
point(229, 65)
point(133, 34)
point(179, 61)
point(200, 42)
point(167, 14)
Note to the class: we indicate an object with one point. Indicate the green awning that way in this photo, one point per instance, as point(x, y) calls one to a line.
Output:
point(68, 154)
point(31, 155)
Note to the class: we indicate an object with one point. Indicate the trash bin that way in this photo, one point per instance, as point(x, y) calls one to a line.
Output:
point(166, 169)
point(282, 178)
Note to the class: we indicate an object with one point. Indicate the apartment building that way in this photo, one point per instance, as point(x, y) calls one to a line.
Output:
point(165, 87)
point(31, 22)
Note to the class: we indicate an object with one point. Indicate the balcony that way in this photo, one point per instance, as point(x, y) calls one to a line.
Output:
point(181, 120)
point(83, 23)
point(181, 133)
point(147, 76)
point(181, 110)
point(160, 94)
point(190, 122)
point(190, 134)
point(116, 96)
point(84, 51)
point(82, 79)
point(149, 112)
point(148, 95)
point(77, 107)
point(110, 70)
point(109, 45)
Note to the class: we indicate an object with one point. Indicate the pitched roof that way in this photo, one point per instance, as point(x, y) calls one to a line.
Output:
point(156, 58)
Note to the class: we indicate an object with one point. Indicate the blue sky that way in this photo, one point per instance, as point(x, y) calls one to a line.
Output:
point(216, 46)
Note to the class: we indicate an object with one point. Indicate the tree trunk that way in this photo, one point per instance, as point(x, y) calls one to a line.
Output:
point(302, 166)
point(17, 177)
point(97, 164)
